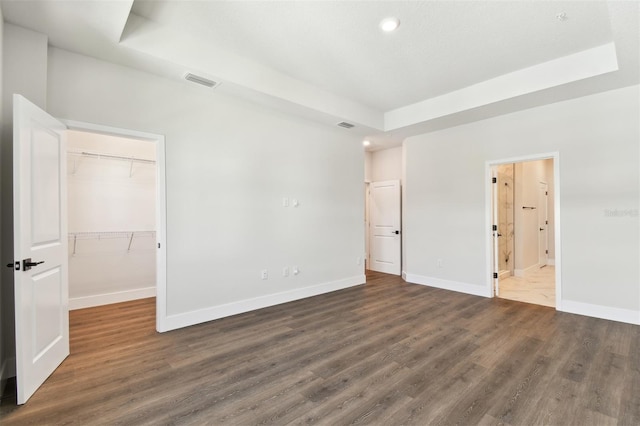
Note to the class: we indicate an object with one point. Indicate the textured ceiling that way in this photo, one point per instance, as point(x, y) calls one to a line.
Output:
point(439, 47)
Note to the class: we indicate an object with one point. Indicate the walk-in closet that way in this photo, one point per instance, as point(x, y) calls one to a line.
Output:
point(111, 195)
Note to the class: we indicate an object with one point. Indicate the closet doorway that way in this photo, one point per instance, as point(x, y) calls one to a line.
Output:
point(116, 216)
point(524, 224)
point(111, 186)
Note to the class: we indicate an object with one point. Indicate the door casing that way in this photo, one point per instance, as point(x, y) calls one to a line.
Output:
point(161, 206)
point(489, 238)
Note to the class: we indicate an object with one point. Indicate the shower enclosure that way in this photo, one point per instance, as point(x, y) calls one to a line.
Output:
point(505, 188)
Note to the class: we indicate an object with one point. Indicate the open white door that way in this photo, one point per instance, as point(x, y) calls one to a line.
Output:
point(543, 225)
point(385, 240)
point(40, 245)
point(494, 230)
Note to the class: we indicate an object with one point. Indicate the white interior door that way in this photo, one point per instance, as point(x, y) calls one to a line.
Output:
point(40, 246)
point(494, 230)
point(385, 243)
point(543, 226)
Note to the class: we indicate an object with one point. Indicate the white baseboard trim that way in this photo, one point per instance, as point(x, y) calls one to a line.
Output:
point(476, 290)
point(107, 299)
point(522, 272)
point(504, 274)
point(8, 369)
point(186, 319)
point(404, 275)
point(598, 311)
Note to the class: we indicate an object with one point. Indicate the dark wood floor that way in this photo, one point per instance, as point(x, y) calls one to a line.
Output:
point(383, 353)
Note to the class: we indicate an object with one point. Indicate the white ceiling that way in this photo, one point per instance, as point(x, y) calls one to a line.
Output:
point(328, 60)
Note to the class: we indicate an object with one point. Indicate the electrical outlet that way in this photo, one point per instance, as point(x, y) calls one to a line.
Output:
point(264, 274)
point(285, 271)
point(285, 202)
point(358, 261)
point(440, 263)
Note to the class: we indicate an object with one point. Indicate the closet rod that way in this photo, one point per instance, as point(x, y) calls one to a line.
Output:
point(111, 157)
point(110, 234)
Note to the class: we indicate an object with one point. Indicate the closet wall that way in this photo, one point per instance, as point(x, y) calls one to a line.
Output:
point(111, 212)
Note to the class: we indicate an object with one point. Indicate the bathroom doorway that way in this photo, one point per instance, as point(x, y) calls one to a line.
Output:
point(524, 231)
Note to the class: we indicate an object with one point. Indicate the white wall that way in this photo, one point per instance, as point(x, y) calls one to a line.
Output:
point(598, 141)
point(24, 71)
point(528, 176)
point(110, 198)
point(367, 166)
point(386, 164)
point(229, 165)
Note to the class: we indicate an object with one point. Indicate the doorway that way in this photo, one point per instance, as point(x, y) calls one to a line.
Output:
point(41, 261)
point(383, 236)
point(524, 230)
point(159, 196)
point(111, 203)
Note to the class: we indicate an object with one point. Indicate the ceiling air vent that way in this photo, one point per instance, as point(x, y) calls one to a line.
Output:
point(200, 80)
point(346, 125)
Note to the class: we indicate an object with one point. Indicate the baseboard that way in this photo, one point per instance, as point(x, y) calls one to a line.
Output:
point(404, 275)
point(522, 272)
point(186, 319)
point(504, 274)
point(8, 369)
point(598, 311)
point(107, 299)
point(476, 290)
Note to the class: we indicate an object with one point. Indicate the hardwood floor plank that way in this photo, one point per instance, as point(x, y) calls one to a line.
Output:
point(383, 353)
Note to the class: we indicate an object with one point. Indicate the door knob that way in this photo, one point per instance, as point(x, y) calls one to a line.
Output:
point(28, 264)
point(396, 232)
point(542, 229)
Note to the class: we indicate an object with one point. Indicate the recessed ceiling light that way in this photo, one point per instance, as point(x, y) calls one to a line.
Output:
point(366, 143)
point(389, 24)
point(562, 16)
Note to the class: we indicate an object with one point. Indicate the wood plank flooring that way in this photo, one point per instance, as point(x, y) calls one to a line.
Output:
point(384, 353)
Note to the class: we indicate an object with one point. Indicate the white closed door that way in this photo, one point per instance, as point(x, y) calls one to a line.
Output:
point(543, 225)
point(40, 246)
point(385, 236)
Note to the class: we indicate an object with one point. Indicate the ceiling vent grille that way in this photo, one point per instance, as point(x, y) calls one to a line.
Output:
point(200, 80)
point(346, 125)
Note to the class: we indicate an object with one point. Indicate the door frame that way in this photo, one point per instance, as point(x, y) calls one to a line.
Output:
point(555, 156)
point(161, 205)
point(546, 227)
point(398, 231)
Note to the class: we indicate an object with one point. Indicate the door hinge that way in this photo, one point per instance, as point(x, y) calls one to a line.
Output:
point(158, 245)
point(546, 222)
point(495, 275)
point(494, 180)
point(546, 193)
point(494, 227)
point(546, 251)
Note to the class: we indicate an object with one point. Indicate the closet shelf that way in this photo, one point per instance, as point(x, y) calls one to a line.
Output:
point(110, 157)
point(98, 155)
point(75, 236)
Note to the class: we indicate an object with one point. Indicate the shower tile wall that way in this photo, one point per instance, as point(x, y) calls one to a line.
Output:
point(506, 218)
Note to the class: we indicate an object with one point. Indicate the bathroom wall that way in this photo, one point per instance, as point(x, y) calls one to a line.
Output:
point(505, 188)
